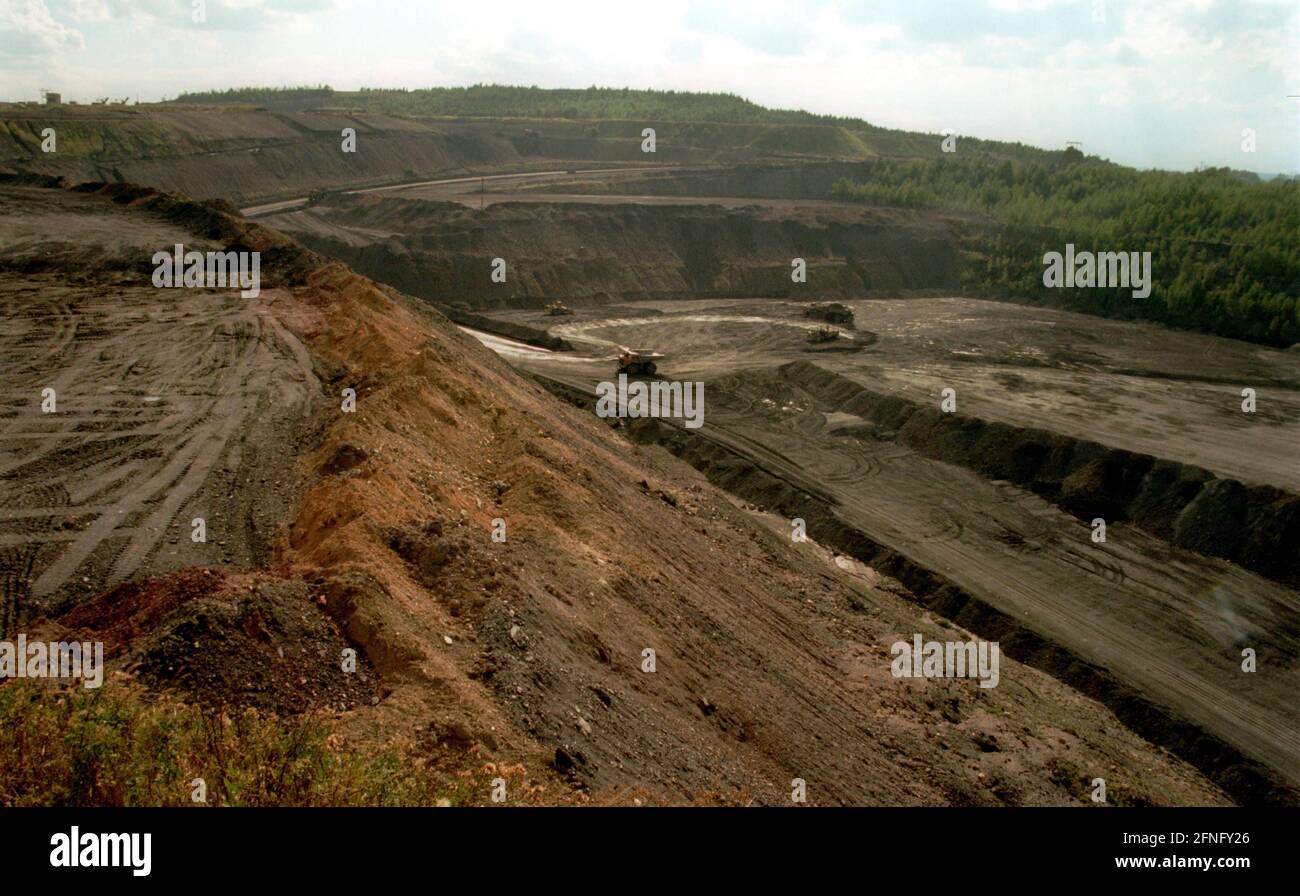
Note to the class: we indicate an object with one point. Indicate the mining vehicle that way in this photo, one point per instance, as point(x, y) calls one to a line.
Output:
point(823, 334)
point(636, 362)
point(832, 313)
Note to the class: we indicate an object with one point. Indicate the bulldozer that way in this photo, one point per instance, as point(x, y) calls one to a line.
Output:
point(832, 313)
point(637, 362)
point(823, 334)
point(557, 309)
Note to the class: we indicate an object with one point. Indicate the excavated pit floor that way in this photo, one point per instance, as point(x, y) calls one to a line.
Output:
point(1165, 621)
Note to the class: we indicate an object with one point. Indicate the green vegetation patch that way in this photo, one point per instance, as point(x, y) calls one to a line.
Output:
point(117, 746)
point(1224, 246)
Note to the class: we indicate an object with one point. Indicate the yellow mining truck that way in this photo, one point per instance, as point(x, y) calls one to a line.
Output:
point(637, 362)
point(557, 309)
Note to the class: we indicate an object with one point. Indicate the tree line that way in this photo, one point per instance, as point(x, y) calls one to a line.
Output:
point(1225, 245)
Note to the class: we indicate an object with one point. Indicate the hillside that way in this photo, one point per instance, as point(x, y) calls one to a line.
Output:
point(651, 107)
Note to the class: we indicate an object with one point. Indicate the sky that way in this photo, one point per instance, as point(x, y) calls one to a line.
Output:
point(1170, 84)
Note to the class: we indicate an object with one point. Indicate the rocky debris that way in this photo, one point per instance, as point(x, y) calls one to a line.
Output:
point(424, 547)
point(230, 638)
point(344, 458)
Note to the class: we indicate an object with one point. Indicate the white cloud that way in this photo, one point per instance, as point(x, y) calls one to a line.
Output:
point(28, 29)
point(1155, 84)
point(84, 11)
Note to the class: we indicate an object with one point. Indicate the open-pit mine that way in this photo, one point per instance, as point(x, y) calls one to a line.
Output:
point(402, 484)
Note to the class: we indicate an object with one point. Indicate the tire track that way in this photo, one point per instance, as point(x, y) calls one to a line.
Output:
point(151, 389)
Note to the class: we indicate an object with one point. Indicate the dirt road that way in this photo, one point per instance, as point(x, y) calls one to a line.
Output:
point(466, 189)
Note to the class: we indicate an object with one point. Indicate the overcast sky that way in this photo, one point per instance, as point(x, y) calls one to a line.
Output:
point(1161, 83)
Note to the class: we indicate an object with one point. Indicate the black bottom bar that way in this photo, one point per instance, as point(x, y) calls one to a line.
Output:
point(443, 845)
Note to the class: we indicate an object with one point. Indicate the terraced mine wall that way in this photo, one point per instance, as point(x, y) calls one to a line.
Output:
point(757, 180)
point(1254, 526)
point(1247, 781)
point(594, 254)
point(247, 154)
